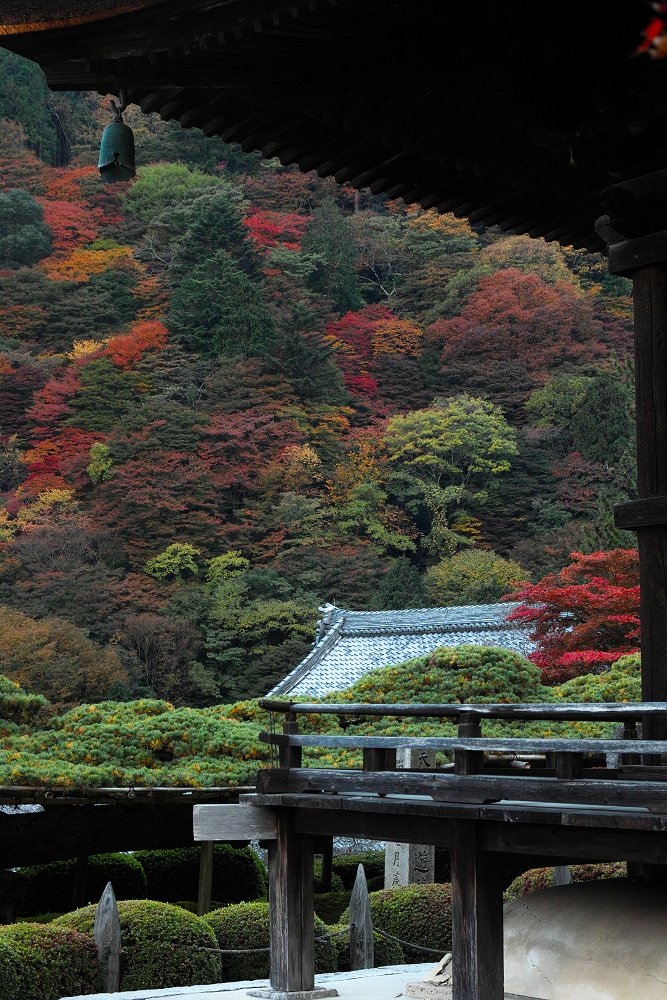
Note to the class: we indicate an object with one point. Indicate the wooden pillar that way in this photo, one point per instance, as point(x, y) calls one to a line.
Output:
point(327, 864)
point(291, 913)
point(650, 300)
point(205, 878)
point(80, 878)
point(477, 916)
point(635, 229)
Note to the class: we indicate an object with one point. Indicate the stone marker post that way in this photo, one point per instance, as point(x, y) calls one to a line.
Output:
point(406, 864)
point(107, 936)
point(362, 952)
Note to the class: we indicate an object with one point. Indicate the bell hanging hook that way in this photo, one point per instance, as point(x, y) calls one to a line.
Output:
point(121, 106)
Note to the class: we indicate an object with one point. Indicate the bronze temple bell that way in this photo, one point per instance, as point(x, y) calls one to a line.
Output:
point(117, 161)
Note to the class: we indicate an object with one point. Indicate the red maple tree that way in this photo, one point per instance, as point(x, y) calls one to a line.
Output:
point(585, 616)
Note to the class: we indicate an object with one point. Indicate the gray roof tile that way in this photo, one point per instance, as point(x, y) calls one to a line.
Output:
point(358, 641)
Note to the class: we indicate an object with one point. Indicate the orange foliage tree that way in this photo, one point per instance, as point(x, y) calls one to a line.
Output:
point(128, 348)
point(397, 336)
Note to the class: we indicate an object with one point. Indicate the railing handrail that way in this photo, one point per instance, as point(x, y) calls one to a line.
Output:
point(568, 711)
point(488, 744)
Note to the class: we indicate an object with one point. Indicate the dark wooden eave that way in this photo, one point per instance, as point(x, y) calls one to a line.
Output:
point(503, 113)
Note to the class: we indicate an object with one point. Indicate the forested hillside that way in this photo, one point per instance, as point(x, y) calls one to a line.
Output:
point(230, 392)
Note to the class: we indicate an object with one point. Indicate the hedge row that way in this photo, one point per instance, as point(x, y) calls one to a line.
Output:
point(166, 946)
point(246, 925)
point(166, 876)
point(418, 914)
point(542, 878)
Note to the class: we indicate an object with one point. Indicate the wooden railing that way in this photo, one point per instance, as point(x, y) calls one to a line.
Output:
point(624, 772)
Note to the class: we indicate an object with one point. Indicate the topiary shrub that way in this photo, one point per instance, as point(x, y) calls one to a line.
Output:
point(419, 914)
point(43, 962)
point(50, 887)
point(246, 925)
point(345, 866)
point(452, 674)
point(16, 705)
point(238, 874)
point(622, 682)
point(163, 945)
point(542, 878)
point(386, 952)
point(330, 905)
point(17, 981)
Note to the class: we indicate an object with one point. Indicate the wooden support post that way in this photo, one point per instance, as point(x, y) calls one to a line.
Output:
point(80, 876)
point(569, 765)
point(477, 916)
point(327, 864)
point(107, 936)
point(650, 302)
point(205, 878)
point(291, 912)
point(12, 887)
point(362, 950)
point(375, 759)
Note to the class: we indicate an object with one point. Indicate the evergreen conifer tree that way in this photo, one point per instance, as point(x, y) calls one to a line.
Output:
point(218, 310)
point(330, 241)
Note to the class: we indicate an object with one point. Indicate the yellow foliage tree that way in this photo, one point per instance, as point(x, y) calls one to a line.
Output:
point(49, 506)
point(81, 264)
point(81, 348)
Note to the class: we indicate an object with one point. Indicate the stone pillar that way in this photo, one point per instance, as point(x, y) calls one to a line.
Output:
point(409, 864)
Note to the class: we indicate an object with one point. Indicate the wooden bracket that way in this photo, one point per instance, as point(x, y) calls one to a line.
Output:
point(234, 822)
point(649, 512)
point(629, 255)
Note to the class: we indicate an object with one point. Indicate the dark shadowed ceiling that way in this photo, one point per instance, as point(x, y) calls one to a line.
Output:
point(508, 113)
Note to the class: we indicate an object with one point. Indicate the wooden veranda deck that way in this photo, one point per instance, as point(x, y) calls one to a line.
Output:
point(580, 800)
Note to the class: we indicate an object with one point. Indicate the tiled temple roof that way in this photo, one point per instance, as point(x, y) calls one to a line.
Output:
point(358, 641)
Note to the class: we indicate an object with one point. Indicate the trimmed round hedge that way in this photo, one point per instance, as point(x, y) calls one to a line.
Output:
point(238, 874)
point(386, 952)
point(50, 887)
point(542, 878)
point(43, 962)
point(345, 866)
point(419, 914)
point(246, 925)
point(330, 905)
point(163, 945)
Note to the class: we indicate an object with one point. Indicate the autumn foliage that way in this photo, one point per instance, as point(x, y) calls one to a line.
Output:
point(326, 390)
point(584, 617)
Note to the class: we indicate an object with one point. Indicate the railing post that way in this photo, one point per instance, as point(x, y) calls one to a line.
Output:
point(290, 756)
point(362, 949)
point(468, 761)
point(107, 936)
